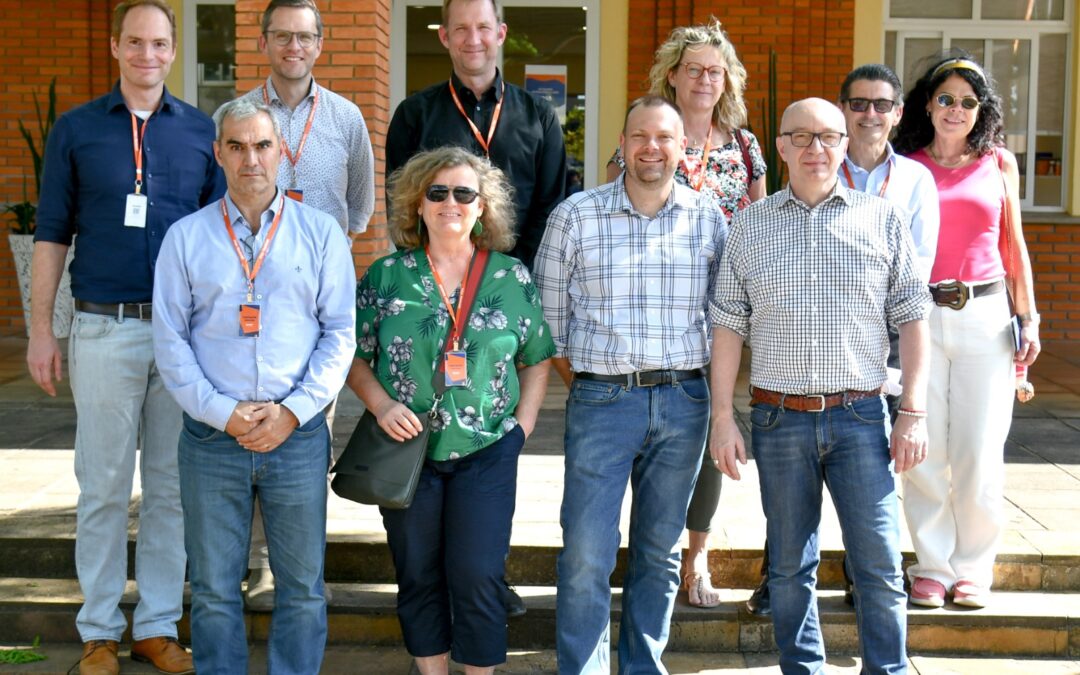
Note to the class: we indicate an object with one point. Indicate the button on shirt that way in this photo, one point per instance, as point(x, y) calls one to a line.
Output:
point(813, 288)
point(623, 292)
point(306, 293)
point(911, 187)
point(89, 172)
point(336, 169)
point(527, 146)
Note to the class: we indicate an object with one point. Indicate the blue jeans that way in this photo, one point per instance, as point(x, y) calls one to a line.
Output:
point(846, 448)
point(218, 483)
point(449, 550)
point(122, 403)
point(653, 437)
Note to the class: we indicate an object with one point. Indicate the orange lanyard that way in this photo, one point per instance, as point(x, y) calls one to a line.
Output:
point(455, 334)
point(293, 159)
point(484, 143)
point(137, 142)
point(702, 170)
point(851, 182)
point(249, 271)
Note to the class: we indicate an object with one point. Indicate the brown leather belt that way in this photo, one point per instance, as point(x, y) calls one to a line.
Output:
point(124, 310)
point(955, 294)
point(812, 403)
point(645, 378)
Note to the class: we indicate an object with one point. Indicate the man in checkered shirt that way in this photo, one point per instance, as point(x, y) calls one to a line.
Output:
point(810, 276)
point(624, 272)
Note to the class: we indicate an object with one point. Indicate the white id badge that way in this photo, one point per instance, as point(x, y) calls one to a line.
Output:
point(135, 211)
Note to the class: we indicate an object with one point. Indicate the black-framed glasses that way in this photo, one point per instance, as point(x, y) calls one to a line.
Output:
point(462, 194)
point(696, 70)
point(966, 102)
point(804, 139)
point(282, 38)
point(881, 105)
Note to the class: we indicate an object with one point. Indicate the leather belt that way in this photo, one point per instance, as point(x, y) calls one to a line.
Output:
point(124, 310)
point(645, 378)
point(811, 403)
point(955, 294)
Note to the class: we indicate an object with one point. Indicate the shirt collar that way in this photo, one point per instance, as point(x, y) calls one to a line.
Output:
point(495, 91)
point(273, 95)
point(168, 103)
point(619, 200)
point(890, 158)
point(237, 218)
point(840, 192)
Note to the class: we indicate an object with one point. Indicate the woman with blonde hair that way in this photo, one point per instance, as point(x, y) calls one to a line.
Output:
point(698, 70)
point(413, 315)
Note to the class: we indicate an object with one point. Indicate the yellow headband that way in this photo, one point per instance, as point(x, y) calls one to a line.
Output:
point(959, 64)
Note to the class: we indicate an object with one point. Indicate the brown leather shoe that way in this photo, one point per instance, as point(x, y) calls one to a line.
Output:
point(165, 654)
point(99, 658)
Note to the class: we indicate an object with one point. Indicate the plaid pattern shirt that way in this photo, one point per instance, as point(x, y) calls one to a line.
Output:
point(623, 292)
point(812, 289)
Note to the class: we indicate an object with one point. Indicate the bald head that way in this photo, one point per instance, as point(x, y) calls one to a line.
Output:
point(812, 108)
point(814, 124)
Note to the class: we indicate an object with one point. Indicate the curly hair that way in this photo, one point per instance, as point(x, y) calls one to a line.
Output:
point(408, 184)
point(730, 111)
point(916, 130)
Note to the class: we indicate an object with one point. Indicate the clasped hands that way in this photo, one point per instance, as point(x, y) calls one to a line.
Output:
point(261, 426)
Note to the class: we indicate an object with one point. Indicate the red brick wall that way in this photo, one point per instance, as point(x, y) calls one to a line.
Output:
point(1055, 253)
point(355, 63)
point(813, 41)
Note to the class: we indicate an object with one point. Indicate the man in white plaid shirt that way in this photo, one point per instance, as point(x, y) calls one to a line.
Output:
point(624, 272)
point(810, 276)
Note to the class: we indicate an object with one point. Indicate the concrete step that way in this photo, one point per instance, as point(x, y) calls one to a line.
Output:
point(368, 561)
point(1018, 624)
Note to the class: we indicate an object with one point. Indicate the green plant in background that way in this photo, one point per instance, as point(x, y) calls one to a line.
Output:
point(574, 134)
point(23, 655)
point(775, 177)
point(24, 212)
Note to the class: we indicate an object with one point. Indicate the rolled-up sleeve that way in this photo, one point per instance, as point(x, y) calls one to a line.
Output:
point(908, 298)
point(554, 269)
point(729, 305)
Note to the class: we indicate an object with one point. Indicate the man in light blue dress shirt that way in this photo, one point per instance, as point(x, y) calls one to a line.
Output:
point(254, 320)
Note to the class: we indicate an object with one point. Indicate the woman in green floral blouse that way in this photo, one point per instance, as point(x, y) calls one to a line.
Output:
point(449, 547)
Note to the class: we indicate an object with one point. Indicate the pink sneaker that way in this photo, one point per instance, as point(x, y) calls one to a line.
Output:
point(970, 594)
point(927, 593)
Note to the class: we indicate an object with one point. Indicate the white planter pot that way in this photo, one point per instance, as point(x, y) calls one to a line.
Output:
point(22, 249)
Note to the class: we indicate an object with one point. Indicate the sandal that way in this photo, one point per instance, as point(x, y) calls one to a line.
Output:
point(699, 591)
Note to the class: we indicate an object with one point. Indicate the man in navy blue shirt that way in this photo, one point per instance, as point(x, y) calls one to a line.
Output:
point(118, 171)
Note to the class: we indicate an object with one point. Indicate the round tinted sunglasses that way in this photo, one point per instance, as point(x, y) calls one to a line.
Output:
point(966, 102)
point(462, 194)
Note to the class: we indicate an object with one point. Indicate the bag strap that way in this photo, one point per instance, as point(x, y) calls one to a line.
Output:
point(1006, 236)
point(744, 145)
point(468, 293)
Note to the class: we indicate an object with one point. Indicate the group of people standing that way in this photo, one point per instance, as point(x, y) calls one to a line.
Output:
point(218, 316)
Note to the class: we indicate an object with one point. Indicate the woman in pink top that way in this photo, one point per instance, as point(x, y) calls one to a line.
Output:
point(954, 500)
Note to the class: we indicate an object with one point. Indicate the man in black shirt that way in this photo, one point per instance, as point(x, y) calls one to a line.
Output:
point(479, 111)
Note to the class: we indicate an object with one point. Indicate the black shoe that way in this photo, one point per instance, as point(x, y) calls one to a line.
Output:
point(513, 603)
point(758, 604)
point(849, 594)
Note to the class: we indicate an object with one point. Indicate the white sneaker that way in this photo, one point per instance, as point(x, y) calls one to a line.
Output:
point(260, 590)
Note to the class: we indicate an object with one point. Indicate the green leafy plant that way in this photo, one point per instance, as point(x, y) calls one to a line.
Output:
point(775, 178)
point(23, 655)
point(25, 212)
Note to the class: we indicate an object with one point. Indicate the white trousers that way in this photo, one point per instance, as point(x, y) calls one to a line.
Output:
point(953, 501)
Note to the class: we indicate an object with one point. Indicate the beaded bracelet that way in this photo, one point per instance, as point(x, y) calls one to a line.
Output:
point(917, 414)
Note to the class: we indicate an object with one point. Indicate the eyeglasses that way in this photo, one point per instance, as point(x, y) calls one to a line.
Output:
point(462, 194)
point(282, 38)
point(881, 105)
point(804, 139)
point(696, 70)
point(966, 102)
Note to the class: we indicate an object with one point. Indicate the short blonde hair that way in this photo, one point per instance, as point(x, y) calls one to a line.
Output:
point(730, 111)
point(408, 184)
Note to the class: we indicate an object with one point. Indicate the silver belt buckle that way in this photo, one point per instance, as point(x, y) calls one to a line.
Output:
point(820, 397)
point(638, 382)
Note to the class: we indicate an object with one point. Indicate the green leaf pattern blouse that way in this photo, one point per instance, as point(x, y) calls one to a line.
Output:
point(402, 323)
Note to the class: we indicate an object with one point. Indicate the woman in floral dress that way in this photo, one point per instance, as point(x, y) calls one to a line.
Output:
point(450, 545)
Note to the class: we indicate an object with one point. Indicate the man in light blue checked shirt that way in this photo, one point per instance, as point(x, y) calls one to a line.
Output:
point(811, 276)
point(625, 271)
point(254, 315)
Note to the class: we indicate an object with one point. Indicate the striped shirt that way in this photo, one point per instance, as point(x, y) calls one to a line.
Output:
point(623, 292)
point(812, 289)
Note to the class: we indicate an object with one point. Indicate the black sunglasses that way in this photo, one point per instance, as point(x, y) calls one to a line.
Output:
point(966, 102)
point(462, 194)
point(882, 105)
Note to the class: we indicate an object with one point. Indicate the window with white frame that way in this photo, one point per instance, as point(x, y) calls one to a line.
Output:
point(1026, 47)
point(209, 53)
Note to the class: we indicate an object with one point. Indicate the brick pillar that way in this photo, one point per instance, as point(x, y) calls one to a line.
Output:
point(355, 63)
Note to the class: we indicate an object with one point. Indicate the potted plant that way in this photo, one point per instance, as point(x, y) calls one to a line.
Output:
point(21, 238)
